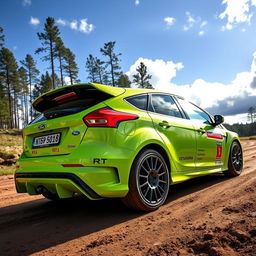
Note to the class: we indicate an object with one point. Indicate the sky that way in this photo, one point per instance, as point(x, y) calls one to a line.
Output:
point(202, 50)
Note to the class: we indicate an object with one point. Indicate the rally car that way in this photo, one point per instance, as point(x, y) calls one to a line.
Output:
point(103, 142)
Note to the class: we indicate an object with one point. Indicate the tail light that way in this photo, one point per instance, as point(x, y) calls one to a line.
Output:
point(107, 117)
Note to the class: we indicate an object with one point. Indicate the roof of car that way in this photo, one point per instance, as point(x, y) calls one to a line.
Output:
point(115, 91)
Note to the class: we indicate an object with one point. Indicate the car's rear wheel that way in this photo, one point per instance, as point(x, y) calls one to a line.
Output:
point(235, 162)
point(149, 182)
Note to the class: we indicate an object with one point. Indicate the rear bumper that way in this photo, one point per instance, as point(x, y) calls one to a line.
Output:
point(59, 183)
point(92, 181)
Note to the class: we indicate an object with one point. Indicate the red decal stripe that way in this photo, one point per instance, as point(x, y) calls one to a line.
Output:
point(213, 135)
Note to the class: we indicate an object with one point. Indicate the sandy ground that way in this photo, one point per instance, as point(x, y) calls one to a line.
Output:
point(212, 215)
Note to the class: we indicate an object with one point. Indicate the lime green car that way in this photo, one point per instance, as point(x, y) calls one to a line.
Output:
point(105, 142)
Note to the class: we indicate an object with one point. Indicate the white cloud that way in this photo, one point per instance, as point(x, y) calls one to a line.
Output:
point(67, 80)
point(201, 32)
point(197, 22)
point(34, 21)
point(15, 47)
point(83, 26)
point(73, 25)
point(26, 2)
point(137, 2)
point(229, 99)
point(203, 24)
point(61, 22)
point(169, 21)
point(190, 22)
point(162, 72)
point(237, 11)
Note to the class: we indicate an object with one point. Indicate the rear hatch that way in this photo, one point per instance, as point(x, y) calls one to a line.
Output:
point(59, 128)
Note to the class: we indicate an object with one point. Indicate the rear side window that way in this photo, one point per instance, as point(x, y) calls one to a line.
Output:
point(69, 102)
point(139, 101)
point(165, 105)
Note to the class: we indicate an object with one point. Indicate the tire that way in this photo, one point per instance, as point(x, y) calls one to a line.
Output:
point(148, 183)
point(235, 161)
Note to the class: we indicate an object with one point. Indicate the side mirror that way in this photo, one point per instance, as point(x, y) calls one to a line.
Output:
point(218, 119)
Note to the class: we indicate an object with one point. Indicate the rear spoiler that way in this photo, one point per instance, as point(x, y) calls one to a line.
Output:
point(47, 98)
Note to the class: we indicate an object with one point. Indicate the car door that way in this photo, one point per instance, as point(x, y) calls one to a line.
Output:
point(210, 138)
point(175, 130)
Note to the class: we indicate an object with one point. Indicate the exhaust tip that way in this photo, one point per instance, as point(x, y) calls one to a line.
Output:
point(39, 190)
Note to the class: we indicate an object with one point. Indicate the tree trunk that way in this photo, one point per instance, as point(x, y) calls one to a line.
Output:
point(9, 98)
point(52, 63)
point(61, 75)
point(112, 72)
point(30, 91)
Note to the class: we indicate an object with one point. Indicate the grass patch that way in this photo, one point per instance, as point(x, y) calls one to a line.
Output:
point(6, 170)
point(10, 138)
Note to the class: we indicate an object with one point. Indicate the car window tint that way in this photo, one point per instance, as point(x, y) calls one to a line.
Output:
point(139, 101)
point(165, 105)
point(194, 112)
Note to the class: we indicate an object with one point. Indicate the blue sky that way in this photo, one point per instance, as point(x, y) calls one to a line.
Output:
point(198, 43)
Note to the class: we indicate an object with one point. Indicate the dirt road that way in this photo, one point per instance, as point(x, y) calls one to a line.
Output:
point(211, 215)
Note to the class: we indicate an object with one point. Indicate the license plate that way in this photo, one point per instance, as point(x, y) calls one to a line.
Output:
point(46, 140)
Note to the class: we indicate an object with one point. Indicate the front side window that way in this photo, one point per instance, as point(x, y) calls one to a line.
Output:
point(194, 112)
point(165, 105)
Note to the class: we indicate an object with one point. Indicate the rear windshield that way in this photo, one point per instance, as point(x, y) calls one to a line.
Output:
point(68, 102)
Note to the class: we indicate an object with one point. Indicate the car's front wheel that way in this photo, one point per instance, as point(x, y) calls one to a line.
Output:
point(149, 182)
point(235, 162)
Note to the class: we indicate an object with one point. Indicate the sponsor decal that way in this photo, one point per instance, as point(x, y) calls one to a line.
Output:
point(182, 158)
point(213, 135)
point(218, 150)
point(34, 152)
point(218, 163)
point(55, 150)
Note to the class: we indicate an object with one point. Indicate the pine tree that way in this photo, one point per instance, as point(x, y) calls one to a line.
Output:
point(1, 37)
point(24, 97)
point(101, 73)
point(60, 53)
point(4, 113)
point(124, 81)
point(91, 69)
point(49, 38)
point(30, 66)
point(44, 85)
point(142, 77)
point(9, 72)
point(251, 114)
point(112, 62)
point(96, 70)
point(70, 66)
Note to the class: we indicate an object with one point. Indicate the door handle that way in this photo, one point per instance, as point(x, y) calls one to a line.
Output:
point(201, 130)
point(164, 124)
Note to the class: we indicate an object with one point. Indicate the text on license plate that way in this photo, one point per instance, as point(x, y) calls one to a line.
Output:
point(46, 140)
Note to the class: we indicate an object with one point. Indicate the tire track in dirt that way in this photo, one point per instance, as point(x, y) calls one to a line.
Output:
point(211, 215)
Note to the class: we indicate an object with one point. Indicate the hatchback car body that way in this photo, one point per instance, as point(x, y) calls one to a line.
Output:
point(105, 142)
